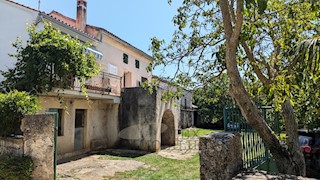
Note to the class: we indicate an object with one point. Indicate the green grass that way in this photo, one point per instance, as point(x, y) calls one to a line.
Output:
point(197, 132)
point(15, 167)
point(158, 167)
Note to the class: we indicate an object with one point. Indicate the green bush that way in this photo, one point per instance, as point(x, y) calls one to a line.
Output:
point(15, 167)
point(13, 105)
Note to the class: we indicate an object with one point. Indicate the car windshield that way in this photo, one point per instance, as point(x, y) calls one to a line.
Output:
point(305, 140)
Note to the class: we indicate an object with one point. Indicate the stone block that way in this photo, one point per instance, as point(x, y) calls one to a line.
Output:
point(220, 156)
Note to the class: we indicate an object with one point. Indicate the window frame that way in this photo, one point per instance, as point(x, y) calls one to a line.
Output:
point(125, 58)
point(137, 64)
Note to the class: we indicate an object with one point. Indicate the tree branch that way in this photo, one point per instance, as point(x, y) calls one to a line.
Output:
point(256, 69)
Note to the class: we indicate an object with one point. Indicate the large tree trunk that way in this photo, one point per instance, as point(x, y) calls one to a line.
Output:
point(282, 156)
point(291, 126)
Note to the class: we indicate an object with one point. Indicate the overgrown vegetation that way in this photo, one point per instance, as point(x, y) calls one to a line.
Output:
point(255, 42)
point(211, 98)
point(15, 167)
point(49, 59)
point(13, 105)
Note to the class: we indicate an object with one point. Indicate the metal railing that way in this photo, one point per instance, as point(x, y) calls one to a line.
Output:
point(104, 83)
point(254, 151)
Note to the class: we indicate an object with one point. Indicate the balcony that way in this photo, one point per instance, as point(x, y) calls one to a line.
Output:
point(104, 83)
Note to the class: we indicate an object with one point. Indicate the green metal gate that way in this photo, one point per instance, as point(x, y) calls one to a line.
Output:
point(56, 117)
point(254, 152)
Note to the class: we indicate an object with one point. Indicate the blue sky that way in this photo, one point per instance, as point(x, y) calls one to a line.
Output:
point(135, 21)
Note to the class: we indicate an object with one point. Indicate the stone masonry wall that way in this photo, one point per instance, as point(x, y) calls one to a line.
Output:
point(220, 156)
point(137, 122)
point(38, 131)
point(11, 146)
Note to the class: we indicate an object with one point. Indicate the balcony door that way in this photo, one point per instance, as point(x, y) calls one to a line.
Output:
point(127, 82)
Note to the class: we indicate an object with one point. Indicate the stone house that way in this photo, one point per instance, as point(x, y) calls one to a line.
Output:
point(83, 125)
point(188, 112)
point(146, 121)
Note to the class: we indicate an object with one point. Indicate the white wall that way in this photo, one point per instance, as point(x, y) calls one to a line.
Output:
point(13, 19)
point(113, 53)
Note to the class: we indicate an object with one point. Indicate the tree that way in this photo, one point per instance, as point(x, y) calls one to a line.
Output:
point(49, 59)
point(13, 106)
point(251, 40)
point(211, 98)
point(306, 67)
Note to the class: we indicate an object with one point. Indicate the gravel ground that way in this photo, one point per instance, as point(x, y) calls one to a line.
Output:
point(262, 175)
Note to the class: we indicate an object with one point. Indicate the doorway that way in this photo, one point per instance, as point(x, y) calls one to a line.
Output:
point(79, 129)
point(167, 129)
point(127, 79)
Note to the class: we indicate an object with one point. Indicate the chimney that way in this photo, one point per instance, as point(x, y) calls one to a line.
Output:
point(81, 21)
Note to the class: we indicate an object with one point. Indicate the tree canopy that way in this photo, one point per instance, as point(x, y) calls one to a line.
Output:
point(211, 99)
point(256, 42)
point(49, 59)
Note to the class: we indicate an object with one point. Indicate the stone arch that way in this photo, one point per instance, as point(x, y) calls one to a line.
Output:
point(168, 129)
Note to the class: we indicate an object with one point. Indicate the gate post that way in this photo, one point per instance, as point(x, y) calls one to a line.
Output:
point(220, 156)
point(38, 132)
point(225, 118)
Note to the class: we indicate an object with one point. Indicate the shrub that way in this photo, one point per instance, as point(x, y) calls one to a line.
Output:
point(15, 167)
point(13, 106)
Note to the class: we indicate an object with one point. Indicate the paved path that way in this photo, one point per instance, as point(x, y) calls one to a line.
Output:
point(262, 175)
point(94, 167)
point(185, 148)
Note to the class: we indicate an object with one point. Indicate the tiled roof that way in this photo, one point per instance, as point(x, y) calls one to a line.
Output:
point(23, 5)
point(123, 41)
point(63, 19)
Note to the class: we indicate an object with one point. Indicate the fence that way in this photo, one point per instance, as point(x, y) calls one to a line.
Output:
point(103, 83)
point(254, 152)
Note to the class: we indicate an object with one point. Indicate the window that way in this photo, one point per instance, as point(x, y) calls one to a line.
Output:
point(96, 53)
point(60, 120)
point(185, 103)
point(112, 69)
point(125, 58)
point(143, 79)
point(80, 116)
point(137, 64)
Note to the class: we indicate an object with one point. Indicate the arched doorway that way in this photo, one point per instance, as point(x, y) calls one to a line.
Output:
point(167, 129)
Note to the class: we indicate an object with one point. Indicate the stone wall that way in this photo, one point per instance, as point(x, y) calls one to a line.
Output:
point(37, 142)
point(220, 156)
point(38, 132)
point(138, 119)
point(186, 118)
point(145, 119)
point(12, 145)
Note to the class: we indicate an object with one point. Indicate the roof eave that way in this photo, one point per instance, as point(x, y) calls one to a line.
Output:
point(78, 32)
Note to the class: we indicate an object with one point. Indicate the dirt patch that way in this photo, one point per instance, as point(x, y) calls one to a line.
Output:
point(95, 167)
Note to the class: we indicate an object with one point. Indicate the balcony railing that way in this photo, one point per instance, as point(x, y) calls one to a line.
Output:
point(104, 83)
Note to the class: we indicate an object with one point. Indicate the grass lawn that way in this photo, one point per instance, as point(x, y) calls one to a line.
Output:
point(158, 167)
point(197, 132)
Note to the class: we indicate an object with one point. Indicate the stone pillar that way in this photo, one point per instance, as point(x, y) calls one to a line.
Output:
point(38, 131)
point(220, 156)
